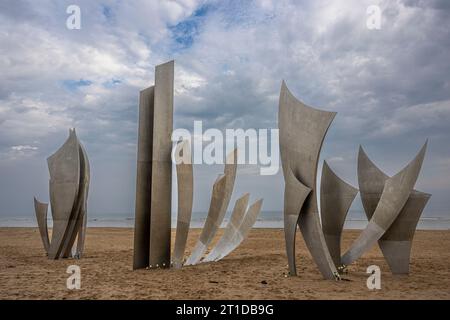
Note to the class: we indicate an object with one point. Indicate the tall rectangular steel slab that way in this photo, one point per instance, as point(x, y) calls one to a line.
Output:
point(161, 190)
point(143, 180)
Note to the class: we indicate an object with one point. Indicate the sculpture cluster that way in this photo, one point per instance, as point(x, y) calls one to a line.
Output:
point(153, 189)
point(391, 204)
point(69, 187)
point(241, 221)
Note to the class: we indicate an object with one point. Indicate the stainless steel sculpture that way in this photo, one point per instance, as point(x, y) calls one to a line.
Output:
point(295, 194)
point(217, 196)
point(154, 172)
point(41, 210)
point(153, 184)
point(236, 219)
point(242, 231)
point(336, 197)
point(69, 186)
point(185, 194)
point(77, 222)
point(395, 194)
point(396, 242)
point(216, 211)
point(302, 131)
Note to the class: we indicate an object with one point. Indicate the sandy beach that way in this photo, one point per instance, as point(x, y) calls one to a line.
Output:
point(256, 270)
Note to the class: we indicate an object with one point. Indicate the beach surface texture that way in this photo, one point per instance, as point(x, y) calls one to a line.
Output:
point(255, 270)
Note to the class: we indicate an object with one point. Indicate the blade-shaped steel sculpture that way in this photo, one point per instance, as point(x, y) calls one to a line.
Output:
point(395, 194)
point(41, 215)
point(336, 197)
point(81, 238)
point(185, 184)
point(216, 213)
point(295, 194)
point(82, 233)
point(243, 230)
point(152, 230)
point(82, 220)
point(64, 168)
point(302, 131)
point(76, 221)
point(236, 219)
point(217, 196)
point(396, 242)
point(69, 184)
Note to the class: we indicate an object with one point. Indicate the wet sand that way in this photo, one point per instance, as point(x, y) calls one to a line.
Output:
point(256, 270)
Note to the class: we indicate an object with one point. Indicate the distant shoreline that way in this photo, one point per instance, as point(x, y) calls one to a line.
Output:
point(351, 224)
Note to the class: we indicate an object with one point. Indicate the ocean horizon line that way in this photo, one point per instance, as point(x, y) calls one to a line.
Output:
point(425, 223)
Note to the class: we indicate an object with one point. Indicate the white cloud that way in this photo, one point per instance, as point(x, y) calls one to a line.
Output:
point(24, 148)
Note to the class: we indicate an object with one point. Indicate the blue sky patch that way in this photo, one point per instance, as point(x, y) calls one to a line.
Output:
point(75, 84)
point(185, 31)
point(111, 83)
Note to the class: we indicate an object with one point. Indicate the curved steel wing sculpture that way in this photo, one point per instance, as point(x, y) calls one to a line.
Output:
point(69, 185)
point(302, 131)
point(395, 194)
point(295, 194)
point(336, 197)
point(396, 242)
point(217, 197)
point(77, 223)
point(244, 229)
point(64, 168)
point(236, 219)
point(185, 184)
point(82, 218)
point(41, 210)
point(216, 215)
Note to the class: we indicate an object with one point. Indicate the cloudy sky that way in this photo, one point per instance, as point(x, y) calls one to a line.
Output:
point(390, 87)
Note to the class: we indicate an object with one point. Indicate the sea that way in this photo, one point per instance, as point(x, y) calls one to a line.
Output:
point(266, 219)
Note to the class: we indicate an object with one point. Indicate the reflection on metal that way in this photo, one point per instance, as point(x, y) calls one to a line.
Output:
point(69, 183)
point(216, 211)
point(302, 131)
point(395, 194)
point(154, 172)
point(396, 242)
point(236, 219)
point(185, 194)
point(336, 197)
point(243, 230)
